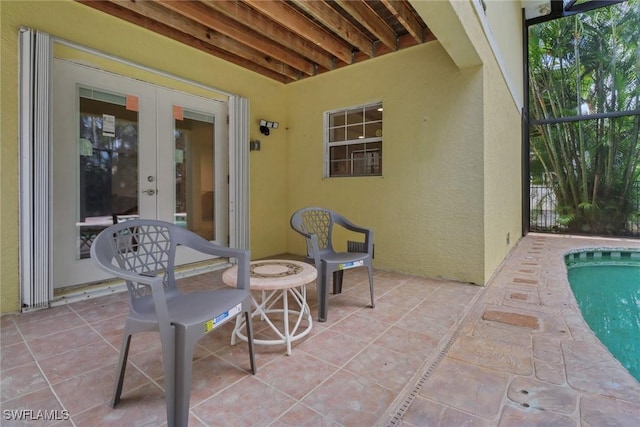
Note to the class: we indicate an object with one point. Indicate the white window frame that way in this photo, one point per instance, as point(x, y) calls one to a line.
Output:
point(361, 140)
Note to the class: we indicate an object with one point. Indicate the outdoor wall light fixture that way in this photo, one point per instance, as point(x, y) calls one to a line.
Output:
point(266, 125)
point(254, 145)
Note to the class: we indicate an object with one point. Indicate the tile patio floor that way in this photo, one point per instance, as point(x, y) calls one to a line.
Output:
point(432, 353)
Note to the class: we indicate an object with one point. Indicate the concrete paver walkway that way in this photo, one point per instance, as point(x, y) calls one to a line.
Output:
point(523, 355)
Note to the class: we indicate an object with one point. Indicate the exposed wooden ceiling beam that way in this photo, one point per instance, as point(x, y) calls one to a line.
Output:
point(337, 23)
point(208, 35)
point(251, 18)
point(403, 42)
point(207, 41)
point(299, 24)
point(370, 20)
point(201, 14)
point(401, 11)
point(285, 40)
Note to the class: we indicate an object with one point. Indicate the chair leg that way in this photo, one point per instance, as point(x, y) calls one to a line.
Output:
point(183, 368)
point(373, 302)
point(323, 294)
point(337, 281)
point(122, 365)
point(247, 321)
point(169, 367)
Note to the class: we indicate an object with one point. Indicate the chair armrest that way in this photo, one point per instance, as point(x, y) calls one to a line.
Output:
point(155, 282)
point(368, 233)
point(105, 263)
point(207, 247)
point(242, 256)
point(342, 221)
point(315, 249)
point(162, 311)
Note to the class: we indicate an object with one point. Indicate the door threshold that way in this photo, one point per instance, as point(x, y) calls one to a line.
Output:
point(71, 294)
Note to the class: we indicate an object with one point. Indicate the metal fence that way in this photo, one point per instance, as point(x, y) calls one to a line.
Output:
point(544, 216)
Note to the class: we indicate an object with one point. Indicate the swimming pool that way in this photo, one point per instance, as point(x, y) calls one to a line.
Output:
point(606, 284)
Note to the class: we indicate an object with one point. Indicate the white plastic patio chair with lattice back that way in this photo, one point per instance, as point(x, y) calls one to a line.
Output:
point(316, 225)
point(142, 252)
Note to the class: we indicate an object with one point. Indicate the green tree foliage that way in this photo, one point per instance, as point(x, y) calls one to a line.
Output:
point(582, 65)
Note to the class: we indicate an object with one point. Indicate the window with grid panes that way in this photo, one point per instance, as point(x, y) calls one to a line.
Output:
point(353, 141)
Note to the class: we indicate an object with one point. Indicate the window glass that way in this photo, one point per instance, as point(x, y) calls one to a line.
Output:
point(337, 134)
point(354, 141)
point(354, 116)
point(337, 119)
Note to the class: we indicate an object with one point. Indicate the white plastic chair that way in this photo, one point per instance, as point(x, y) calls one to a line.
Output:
point(316, 225)
point(143, 253)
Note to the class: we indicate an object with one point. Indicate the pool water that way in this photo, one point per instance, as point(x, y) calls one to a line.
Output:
point(606, 285)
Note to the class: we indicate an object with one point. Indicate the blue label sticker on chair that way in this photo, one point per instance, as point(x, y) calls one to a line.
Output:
point(210, 325)
point(348, 265)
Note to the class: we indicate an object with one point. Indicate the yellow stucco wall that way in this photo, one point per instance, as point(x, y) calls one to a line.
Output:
point(80, 24)
point(502, 163)
point(451, 191)
point(426, 209)
point(472, 36)
point(504, 19)
point(503, 137)
point(451, 166)
point(496, 37)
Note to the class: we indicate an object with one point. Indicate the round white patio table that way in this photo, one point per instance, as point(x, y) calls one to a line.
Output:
point(277, 280)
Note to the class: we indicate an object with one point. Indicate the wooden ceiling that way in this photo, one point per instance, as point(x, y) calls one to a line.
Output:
point(285, 40)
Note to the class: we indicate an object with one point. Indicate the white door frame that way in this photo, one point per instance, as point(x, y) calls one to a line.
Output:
point(156, 155)
point(36, 285)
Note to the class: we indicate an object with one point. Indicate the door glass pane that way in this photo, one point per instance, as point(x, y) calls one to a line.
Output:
point(195, 173)
point(108, 164)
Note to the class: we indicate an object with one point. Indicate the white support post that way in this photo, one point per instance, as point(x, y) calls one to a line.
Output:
point(36, 290)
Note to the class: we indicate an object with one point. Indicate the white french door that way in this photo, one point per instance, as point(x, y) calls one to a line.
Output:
point(127, 149)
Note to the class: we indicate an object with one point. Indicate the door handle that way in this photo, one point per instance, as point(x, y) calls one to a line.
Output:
point(150, 192)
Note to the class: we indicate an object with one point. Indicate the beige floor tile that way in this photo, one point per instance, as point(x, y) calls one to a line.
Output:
point(21, 380)
point(302, 416)
point(9, 333)
point(212, 374)
point(43, 326)
point(296, 375)
point(14, 355)
point(386, 367)
point(144, 406)
point(61, 342)
point(332, 347)
point(350, 400)
point(426, 355)
point(77, 361)
point(412, 344)
point(248, 402)
point(96, 388)
point(29, 409)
